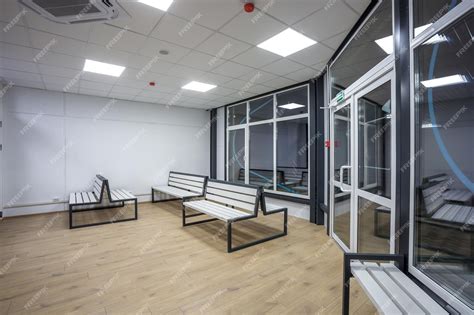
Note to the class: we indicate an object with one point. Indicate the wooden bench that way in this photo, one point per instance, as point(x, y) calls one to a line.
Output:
point(180, 186)
point(231, 203)
point(387, 286)
point(100, 195)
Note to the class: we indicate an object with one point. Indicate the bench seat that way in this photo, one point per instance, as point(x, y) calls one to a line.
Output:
point(174, 191)
point(121, 195)
point(82, 198)
point(216, 210)
point(455, 213)
point(391, 291)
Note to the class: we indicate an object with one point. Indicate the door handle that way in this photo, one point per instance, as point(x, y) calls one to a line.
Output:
point(341, 177)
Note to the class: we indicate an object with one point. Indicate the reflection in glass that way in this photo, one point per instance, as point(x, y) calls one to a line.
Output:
point(261, 109)
point(236, 156)
point(444, 168)
point(374, 141)
point(342, 215)
point(292, 156)
point(342, 144)
point(427, 12)
point(261, 155)
point(373, 231)
point(292, 102)
point(237, 114)
point(370, 45)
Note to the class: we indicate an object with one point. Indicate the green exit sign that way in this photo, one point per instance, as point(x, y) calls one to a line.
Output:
point(340, 97)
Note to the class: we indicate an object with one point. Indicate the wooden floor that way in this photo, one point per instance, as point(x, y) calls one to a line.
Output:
point(155, 266)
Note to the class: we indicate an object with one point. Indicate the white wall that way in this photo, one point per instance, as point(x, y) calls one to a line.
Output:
point(56, 142)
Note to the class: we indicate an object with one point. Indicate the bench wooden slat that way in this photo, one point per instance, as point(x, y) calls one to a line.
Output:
point(398, 295)
point(72, 198)
point(422, 298)
point(185, 187)
point(191, 183)
point(127, 194)
point(232, 195)
point(85, 197)
point(92, 197)
point(215, 210)
point(199, 179)
point(377, 295)
point(228, 201)
point(244, 190)
point(177, 192)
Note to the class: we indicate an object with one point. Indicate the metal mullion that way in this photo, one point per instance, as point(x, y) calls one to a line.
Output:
point(292, 117)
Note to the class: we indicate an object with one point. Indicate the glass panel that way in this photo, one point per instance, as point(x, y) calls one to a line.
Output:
point(363, 52)
point(236, 158)
point(427, 12)
point(374, 141)
point(261, 155)
point(342, 143)
point(342, 215)
point(237, 114)
point(292, 156)
point(261, 109)
point(373, 232)
point(443, 242)
point(292, 102)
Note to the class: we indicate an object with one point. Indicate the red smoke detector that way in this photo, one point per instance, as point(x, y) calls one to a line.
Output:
point(249, 7)
point(151, 83)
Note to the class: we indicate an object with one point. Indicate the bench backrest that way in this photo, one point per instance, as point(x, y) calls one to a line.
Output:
point(432, 193)
point(293, 174)
point(304, 179)
point(241, 196)
point(100, 186)
point(189, 182)
point(260, 176)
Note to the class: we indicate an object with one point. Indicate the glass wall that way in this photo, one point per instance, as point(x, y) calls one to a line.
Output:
point(427, 12)
point(369, 46)
point(443, 156)
point(277, 145)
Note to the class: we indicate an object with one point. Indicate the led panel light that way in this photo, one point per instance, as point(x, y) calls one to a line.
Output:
point(163, 5)
point(198, 86)
point(430, 125)
point(449, 80)
point(286, 43)
point(291, 106)
point(103, 68)
point(386, 44)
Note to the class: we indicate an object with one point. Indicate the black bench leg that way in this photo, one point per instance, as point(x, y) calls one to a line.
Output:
point(152, 196)
point(229, 237)
point(346, 285)
point(184, 215)
point(136, 209)
point(70, 217)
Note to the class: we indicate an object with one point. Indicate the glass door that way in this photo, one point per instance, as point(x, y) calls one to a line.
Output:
point(362, 164)
point(341, 169)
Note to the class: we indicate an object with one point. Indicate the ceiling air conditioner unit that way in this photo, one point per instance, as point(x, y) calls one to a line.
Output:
point(76, 11)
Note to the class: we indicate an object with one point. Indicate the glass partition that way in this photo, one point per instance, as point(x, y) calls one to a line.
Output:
point(261, 109)
point(237, 114)
point(444, 149)
point(427, 12)
point(261, 155)
point(236, 156)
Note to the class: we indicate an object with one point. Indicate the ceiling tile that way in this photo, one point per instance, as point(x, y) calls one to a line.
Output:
point(18, 65)
point(258, 77)
point(100, 78)
point(311, 55)
point(152, 47)
point(93, 92)
point(77, 31)
point(142, 18)
point(279, 82)
point(290, 11)
point(327, 22)
point(59, 87)
point(57, 71)
point(16, 52)
point(200, 61)
point(12, 75)
point(181, 32)
point(358, 5)
point(222, 91)
point(222, 47)
point(11, 9)
point(60, 60)
point(102, 54)
point(335, 41)
point(253, 28)
point(302, 75)
point(116, 38)
point(232, 69)
point(28, 83)
point(236, 84)
point(256, 57)
point(94, 85)
point(137, 84)
point(17, 35)
point(185, 72)
point(282, 67)
point(211, 14)
point(145, 99)
point(49, 42)
point(214, 78)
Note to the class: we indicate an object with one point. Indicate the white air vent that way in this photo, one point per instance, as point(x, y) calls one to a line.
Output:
point(76, 11)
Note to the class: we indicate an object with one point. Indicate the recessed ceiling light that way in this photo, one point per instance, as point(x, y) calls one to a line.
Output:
point(430, 125)
point(103, 68)
point(386, 44)
point(450, 80)
point(287, 42)
point(163, 5)
point(198, 86)
point(291, 106)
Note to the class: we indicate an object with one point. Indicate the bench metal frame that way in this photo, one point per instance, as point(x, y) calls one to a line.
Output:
point(117, 204)
point(153, 200)
point(260, 200)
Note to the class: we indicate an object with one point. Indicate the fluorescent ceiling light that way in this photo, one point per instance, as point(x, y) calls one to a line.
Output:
point(291, 106)
point(450, 80)
point(163, 5)
point(287, 42)
point(429, 125)
point(198, 86)
point(386, 43)
point(103, 68)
